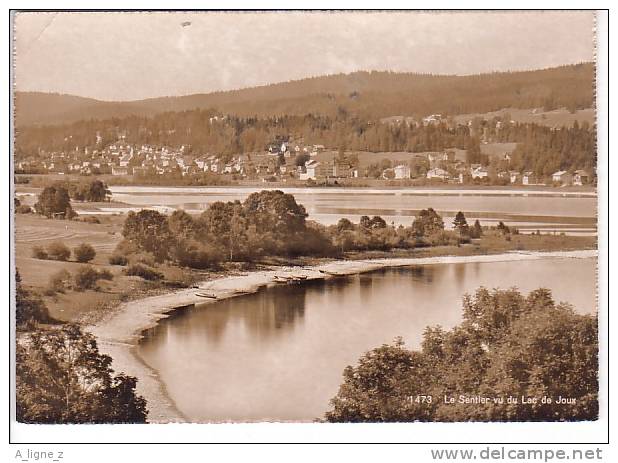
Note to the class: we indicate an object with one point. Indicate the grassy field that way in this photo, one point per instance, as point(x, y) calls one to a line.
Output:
point(556, 118)
point(84, 306)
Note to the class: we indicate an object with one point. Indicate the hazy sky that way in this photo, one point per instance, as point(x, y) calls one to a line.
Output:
point(127, 56)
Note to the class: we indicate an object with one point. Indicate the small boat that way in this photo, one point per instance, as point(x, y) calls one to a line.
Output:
point(208, 295)
point(334, 274)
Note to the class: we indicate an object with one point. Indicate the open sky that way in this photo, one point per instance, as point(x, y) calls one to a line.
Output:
point(130, 56)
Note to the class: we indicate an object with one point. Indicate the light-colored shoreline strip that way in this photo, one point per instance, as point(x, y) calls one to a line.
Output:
point(119, 334)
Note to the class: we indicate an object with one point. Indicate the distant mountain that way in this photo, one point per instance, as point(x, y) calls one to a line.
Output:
point(367, 94)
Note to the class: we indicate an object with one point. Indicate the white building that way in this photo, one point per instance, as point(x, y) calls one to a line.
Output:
point(479, 172)
point(437, 173)
point(402, 171)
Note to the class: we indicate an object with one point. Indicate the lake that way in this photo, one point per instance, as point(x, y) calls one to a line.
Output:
point(546, 210)
point(279, 354)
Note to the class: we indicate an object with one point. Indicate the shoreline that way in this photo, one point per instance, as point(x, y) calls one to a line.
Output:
point(118, 335)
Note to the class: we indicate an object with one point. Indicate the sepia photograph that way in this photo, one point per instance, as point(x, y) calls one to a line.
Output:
point(304, 217)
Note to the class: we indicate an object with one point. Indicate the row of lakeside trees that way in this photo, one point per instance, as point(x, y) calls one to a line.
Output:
point(272, 223)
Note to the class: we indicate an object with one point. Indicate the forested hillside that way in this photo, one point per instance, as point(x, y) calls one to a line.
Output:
point(368, 95)
point(199, 132)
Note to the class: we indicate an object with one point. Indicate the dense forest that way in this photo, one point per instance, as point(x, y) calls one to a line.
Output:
point(198, 132)
point(369, 95)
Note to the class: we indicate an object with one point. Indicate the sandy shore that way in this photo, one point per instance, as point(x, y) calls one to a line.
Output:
point(119, 334)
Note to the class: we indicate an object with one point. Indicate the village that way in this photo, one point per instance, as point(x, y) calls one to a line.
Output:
point(290, 161)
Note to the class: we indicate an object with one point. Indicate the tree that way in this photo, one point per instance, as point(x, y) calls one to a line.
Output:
point(301, 159)
point(276, 212)
point(507, 345)
point(84, 253)
point(461, 225)
point(344, 224)
point(29, 308)
point(181, 225)
point(502, 228)
point(62, 378)
point(226, 224)
point(427, 222)
point(477, 230)
point(97, 191)
point(149, 231)
point(473, 152)
point(368, 395)
point(54, 201)
point(377, 222)
point(365, 222)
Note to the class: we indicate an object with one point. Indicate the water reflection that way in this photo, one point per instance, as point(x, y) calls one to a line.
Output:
point(279, 354)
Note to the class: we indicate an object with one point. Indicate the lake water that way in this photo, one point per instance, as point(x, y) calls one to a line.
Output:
point(547, 211)
point(279, 354)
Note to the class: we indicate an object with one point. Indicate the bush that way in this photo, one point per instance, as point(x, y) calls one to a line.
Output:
point(118, 260)
point(145, 258)
point(86, 278)
point(197, 255)
point(23, 209)
point(124, 248)
point(144, 272)
point(39, 253)
point(178, 278)
point(90, 219)
point(106, 275)
point(58, 251)
point(443, 238)
point(59, 282)
point(84, 253)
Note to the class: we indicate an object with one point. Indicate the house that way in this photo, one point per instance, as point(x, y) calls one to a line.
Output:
point(120, 170)
point(529, 178)
point(140, 171)
point(201, 163)
point(434, 158)
point(448, 156)
point(479, 172)
point(125, 159)
point(402, 171)
point(217, 166)
point(313, 170)
point(432, 119)
point(437, 173)
point(562, 177)
point(581, 177)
